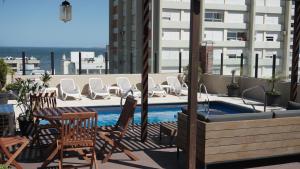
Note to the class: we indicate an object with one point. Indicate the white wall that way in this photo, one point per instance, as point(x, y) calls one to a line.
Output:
point(259, 19)
point(214, 35)
point(235, 2)
point(259, 37)
point(171, 14)
point(234, 17)
point(185, 34)
point(171, 34)
point(214, 1)
point(273, 3)
point(272, 20)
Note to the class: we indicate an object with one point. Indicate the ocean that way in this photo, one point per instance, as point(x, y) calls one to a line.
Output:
point(43, 54)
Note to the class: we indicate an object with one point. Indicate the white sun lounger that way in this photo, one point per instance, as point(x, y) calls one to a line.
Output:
point(69, 89)
point(175, 86)
point(97, 88)
point(125, 85)
point(155, 89)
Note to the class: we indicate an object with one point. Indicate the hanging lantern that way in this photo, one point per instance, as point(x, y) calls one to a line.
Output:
point(65, 11)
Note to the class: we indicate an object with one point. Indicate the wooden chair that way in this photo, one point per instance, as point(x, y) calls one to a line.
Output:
point(115, 136)
point(40, 101)
point(78, 133)
point(6, 143)
point(9, 142)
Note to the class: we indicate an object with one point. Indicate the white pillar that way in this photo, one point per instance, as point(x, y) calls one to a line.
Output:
point(286, 36)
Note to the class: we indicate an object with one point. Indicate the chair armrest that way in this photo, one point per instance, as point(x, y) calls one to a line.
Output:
point(78, 89)
point(133, 87)
point(184, 85)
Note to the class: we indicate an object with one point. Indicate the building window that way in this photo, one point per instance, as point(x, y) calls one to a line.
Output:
point(233, 56)
point(213, 17)
point(269, 38)
point(239, 36)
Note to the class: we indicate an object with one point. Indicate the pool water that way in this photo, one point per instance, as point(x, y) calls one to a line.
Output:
point(165, 112)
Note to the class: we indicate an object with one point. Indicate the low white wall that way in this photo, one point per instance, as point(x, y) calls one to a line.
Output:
point(217, 84)
point(110, 79)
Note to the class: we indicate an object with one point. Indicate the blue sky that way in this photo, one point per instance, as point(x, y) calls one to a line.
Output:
point(35, 23)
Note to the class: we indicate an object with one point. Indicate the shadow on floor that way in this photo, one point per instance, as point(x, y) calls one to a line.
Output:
point(257, 163)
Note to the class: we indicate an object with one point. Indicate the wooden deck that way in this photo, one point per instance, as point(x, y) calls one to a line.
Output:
point(152, 154)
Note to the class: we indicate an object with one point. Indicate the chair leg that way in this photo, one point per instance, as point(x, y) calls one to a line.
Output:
point(11, 158)
point(95, 160)
point(108, 155)
point(60, 162)
point(50, 158)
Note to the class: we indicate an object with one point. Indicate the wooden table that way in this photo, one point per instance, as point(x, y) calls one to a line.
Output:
point(168, 129)
point(53, 115)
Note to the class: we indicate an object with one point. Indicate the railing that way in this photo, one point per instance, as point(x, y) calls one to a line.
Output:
point(252, 88)
point(206, 109)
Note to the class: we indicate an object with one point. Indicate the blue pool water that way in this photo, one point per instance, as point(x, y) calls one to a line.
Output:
point(164, 113)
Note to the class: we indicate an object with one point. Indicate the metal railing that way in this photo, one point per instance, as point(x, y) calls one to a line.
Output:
point(252, 88)
point(206, 109)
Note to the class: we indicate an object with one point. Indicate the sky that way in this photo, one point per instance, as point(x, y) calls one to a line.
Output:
point(35, 23)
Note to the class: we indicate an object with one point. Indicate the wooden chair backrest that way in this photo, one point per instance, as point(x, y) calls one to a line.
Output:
point(79, 129)
point(126, 115)
point(39, 101)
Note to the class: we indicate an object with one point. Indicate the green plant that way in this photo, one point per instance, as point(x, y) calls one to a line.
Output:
point(16, 86)
point(233, 84)
point(272, 81)
point(45, 78)
point(186, 74)
point(3, 73)
point(3, 166)
point(26, 88)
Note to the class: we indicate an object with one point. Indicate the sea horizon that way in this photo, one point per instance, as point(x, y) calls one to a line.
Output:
point(43, 54)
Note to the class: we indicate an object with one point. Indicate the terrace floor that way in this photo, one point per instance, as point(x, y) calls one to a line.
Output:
point(153, 154)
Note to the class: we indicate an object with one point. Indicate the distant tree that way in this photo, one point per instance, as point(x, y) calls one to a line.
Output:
point(3, 73)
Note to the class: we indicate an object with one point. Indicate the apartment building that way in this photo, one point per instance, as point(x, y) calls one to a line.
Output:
point(231, 27)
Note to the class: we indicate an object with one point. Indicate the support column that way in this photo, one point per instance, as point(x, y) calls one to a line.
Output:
point(295, 59)
point(193, 81)
point(145, 71)
point(251, 54)
point(287, 37)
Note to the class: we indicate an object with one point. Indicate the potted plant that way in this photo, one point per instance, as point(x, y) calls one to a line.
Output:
point(273, 95)
point(185, 76)
point(25, 118)
point(45, 78)
point(3, 75)
point(233, 88)
point(2, 166)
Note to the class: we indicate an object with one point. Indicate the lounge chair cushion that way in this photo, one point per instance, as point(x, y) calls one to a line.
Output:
point(216, 116)
point(239, 117)
point(288, 113)
point(293, 106)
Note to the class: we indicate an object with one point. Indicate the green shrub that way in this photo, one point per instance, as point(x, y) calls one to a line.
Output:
point(3, 166)
point(3, 73)
point(13, 86)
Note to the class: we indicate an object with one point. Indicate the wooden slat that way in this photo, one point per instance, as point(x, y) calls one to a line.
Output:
point(251, 131)
point(252, 123)
point(252, 139)
point(252, 146)
point(252, 154)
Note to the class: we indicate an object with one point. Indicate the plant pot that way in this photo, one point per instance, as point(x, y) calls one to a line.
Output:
point(273, 100)
point(4, 98)
point(233, 91)
point(26, 125)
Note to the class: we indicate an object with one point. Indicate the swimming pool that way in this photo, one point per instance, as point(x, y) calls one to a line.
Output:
point(165, 112)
